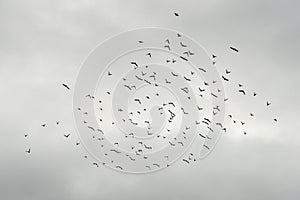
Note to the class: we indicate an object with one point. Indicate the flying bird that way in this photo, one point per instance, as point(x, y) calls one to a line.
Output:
point(28, 151)
point(234, 49)
point(67, 135)
point(149, 54)
point(66, 86)
point(183, 45)
point(227, 71)
point(96, 164)
point(225, 79)
point(176, 14)
point(242, 91)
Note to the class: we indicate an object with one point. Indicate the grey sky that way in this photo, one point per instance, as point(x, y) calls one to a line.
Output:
point(43, 44)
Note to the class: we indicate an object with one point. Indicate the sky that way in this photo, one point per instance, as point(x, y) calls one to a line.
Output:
point(42, 46)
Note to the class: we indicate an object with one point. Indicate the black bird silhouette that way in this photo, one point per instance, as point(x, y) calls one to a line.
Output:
point(109, 73)
point(25, 135)
point(174, 74)
point(187, 79)
point(67, 135)
point(234, 49)
point(168, 82)
point(176, 14)
point(275, 119)
point(138, 100)
point(140, 41)
point(66, 86)
point(254, 94)
point(268, 103)
point(28, 151)
point(214, 56)
point(168, 47)
point(183, 58)
point(185, 160)
point(251, 114)
point(118, 166)
point(96, 164)
point(242, 91)
point(225, 79)
point(149, 54)
point(227, 71)
point(183, 45)
point(43, 125)
point(201, 69)
point(135, 64)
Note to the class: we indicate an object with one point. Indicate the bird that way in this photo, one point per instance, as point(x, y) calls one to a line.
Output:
point(25, 135)
point(173, 74)
point(140, 41)
point(251, 114)
point(57, 122)
point(66, 86)
point(234, 49)
point(201, 69)
point(187, 79)
point(183, 45)
point(225, 79)
point(214, 56)
point(254, 94)
point(268, 103)
point(184, 160)
point(168, 82)
point(118, 166)
point(96, 164)
point(135, 64)
point(227, 71)
point(275, 119)
point(149, 54)
point(138, 100)
point(28, 151)
point(168, 47)
point(242, 91)
point(176, 14)
point(109, 73)
point(67, 135)
point(91, 128)
point(44, 125)
point(183, 58)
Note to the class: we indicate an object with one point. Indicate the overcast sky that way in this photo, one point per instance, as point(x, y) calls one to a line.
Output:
point(42, 44)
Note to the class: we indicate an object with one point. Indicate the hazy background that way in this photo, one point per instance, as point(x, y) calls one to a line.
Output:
point(42, 44)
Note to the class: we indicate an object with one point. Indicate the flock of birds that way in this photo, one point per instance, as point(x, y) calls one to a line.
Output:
point(205, 121)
